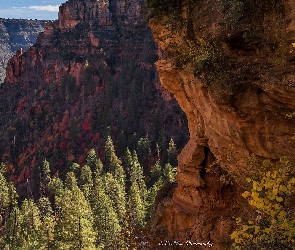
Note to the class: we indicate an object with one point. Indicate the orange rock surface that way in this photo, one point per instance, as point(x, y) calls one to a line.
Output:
point(230, 121)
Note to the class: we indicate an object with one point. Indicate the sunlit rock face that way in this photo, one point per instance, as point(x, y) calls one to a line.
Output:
point(236, 84)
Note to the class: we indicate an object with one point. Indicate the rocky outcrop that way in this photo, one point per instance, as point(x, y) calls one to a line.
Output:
point(234, 78)
point(16, 34)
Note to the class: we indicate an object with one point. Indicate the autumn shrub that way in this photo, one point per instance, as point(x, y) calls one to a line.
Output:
point(273, 224)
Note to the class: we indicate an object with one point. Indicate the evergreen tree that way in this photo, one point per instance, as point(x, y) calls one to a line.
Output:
point(48, 222)
point(136, 206)
point(109, 150)
point(93, 162)
point(117, 194)
point(106, 222)
point(46, 171)
point(172, 153)
point(74, 227)
point(70, 181)
point(8, 202)
point(29, 226)
point(12, 232)
point(156, 172)
point(169, 173)
point(163, 144)
point(128, 161)
point(75, 168)
point(114, 163)
point(143, 149)
point(13, 196)
point(86, 182)
point(4, 197)
point(136, 175)
point(2, 168)
point(45, 177)
point(55, 186)
point(151, 196)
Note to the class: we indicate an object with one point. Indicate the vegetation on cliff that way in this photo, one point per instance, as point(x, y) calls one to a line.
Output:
point(210, 54)
point(272, 225)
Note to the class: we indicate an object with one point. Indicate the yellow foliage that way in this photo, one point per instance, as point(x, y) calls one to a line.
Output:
point(279, 199)
point(277, 222)
point(245, 194)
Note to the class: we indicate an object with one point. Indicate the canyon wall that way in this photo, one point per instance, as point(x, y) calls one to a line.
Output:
point(16, 34)
point(233, 75)
point(62, 41)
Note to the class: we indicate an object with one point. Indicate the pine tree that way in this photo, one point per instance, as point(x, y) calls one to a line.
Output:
point(151, 196)
point(156, 172)
point(169, 173)
point(114, 163)
point(75, 168)
point(70, 181)
point(109, 150)
point(136, 206)
point(163, 144)
point(172, 153)
point(55, 186)
point(8, 201)
point(46, 171)
point(136, 175)
point(117, 194)
point(86, 182)
point(12, 232)
point(29, 226)
point(48, 222)
point(4, 197)
point(128, 161)
point(45, 177)
point(106, 222)
point(13, 196)
point(93, 162)
point(74, 227)
point(8, 210)
point(143, 149)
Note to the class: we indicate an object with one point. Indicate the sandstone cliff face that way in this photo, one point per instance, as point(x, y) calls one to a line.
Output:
point(236, 90)
point(16, 34)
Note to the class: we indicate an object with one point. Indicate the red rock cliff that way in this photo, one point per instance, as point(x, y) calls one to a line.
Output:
point(235, 79)
point(46, 59)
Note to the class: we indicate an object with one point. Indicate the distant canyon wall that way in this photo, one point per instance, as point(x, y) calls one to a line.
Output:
point(16, 34)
